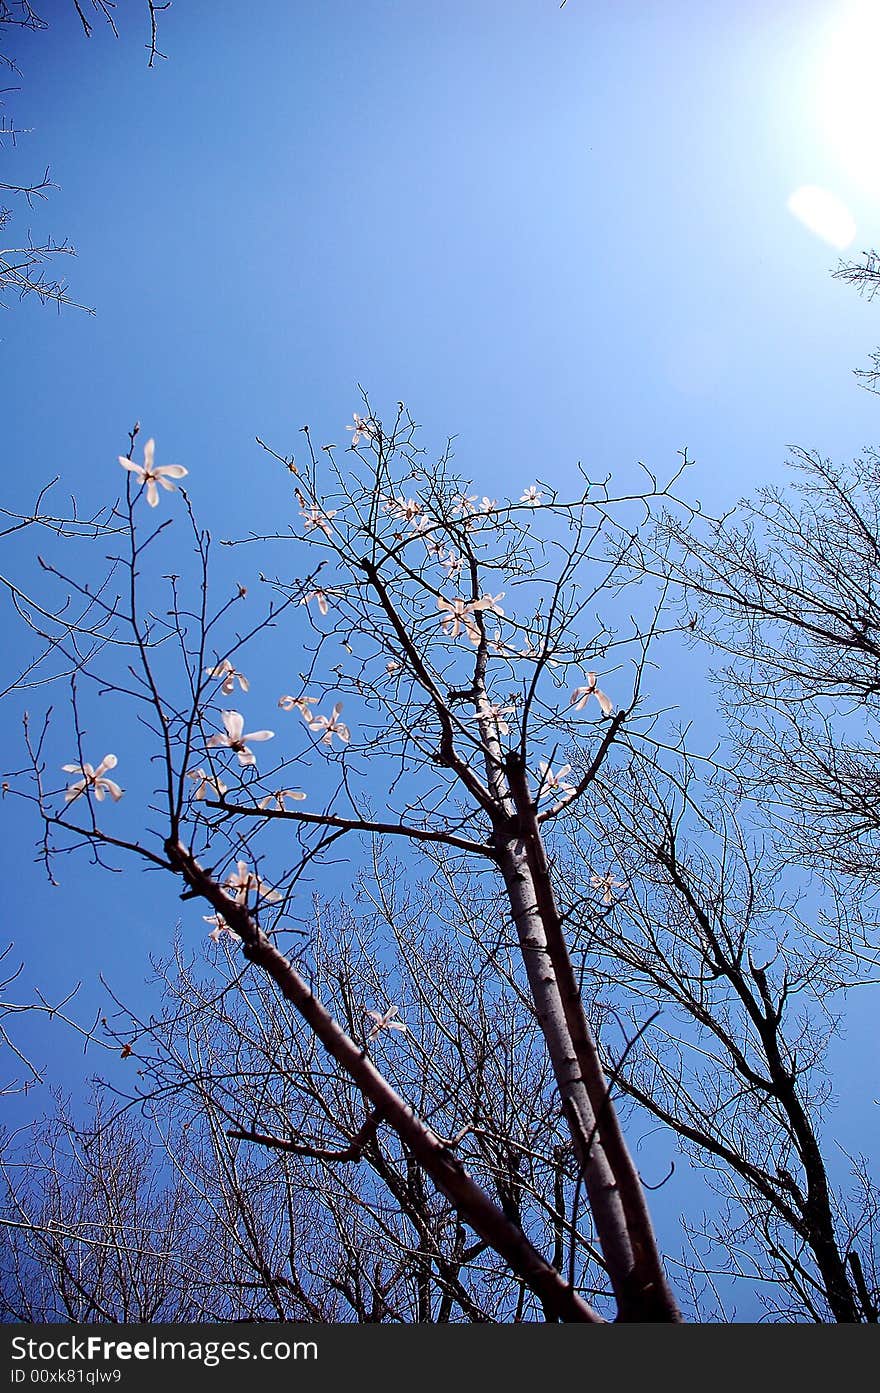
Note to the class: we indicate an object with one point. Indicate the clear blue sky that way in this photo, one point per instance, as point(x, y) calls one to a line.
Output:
point(560, 235)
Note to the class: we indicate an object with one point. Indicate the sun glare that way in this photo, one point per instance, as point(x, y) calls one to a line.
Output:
point(847, 94)
point(823, 213)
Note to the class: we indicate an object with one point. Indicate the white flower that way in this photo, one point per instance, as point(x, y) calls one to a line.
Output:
point(93, 779)
point(608, 885)
point(229, 675)
point(452, 564)
point(320, 596)
point(383, 1021)
point(315, 517)
point(363, 426)
point(548, 782)
point(459, 614)
point(205, 782)
point(491, 711)
point(152, 474)
point(393, 666)
point(220, 927)
point(234, 739)
point(403, 509)
point(331, 725)
point(421, 525)
point(490, 603)
point(531, 495)
point(279, 796)
point(463, 503)
point(488, 505)
point(300, 704)
point(242, 881)
point(581, 695)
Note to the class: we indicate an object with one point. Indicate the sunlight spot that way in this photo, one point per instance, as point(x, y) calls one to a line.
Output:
point(823, 213)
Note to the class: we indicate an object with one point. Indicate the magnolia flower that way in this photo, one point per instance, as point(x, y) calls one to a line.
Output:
point(422, 524)
point(435, 549)
point(151, 474)
point(314, 517)
point(320, 596)
point(490, 603)
point(93, 779)
point(460, 614)
point(488, 505)
point(463, 503)
point(242, 881)
point(235, 740)
point(331, 725)
point(220, 928)
point(491, 711)
point(581, 695)
point(229, 675)
point(279, 796)
point(382, 1022)
point(393, 666)
point(205, 782)
point(531, 495)
point(452, 564)
point(404, 509)
point(608, 885)
point(300, 704)
point(363, 426)
point(548, 782)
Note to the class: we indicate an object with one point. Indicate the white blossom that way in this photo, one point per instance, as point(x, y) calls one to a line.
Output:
point(230, 676)
point(492, 711)
point(531, 495)
point(403, 509)
point(316, 517)
point(581, 695)
point(331, 725)
point(463, 504)
point(607, 884)
point(363, 426)
point(452, 564)
point(93, 779)
point(205, 782)
point(300, 704)
point(383, 1021)
point(236, 740)
point(550, 782)
point(220, 928)
point(320, 596)
point(242, 881)
point(151, 474)
point(279, 796)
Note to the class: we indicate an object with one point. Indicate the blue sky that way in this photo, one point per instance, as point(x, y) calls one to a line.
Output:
point(559, 235)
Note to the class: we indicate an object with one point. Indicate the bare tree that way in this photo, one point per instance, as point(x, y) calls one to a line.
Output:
point(27, 268)
point(735, 957)
point(323, 1217)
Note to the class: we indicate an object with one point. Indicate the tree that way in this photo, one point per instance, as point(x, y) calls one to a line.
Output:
point(315, 1216)
point(28, 268)
point(467, 719)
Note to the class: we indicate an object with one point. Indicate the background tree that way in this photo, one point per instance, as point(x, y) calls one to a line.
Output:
point(28, 269)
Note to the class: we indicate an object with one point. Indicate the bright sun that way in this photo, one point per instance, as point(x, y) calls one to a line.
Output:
point(845, 106)
point(848, 97)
